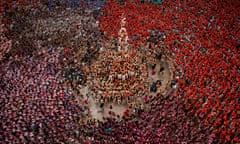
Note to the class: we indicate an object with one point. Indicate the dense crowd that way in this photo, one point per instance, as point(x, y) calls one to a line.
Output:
point(210, 80)
point(203, 39)
point(37, 107)
point(119, 73)
point(5, 43)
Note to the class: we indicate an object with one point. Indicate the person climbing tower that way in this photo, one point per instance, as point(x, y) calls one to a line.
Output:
point(123, 35)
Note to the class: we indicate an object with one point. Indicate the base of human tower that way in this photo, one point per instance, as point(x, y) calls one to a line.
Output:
point(120, 83)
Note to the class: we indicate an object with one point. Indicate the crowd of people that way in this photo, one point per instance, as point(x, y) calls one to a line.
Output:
point(204, 42)
point(121, 73)
point(209, 85)
point(5, 43)
point(37, 107)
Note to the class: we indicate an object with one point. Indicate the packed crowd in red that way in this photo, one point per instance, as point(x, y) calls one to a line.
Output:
point(204, 38)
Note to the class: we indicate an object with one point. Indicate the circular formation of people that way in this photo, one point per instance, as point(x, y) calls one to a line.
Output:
point(64, 81)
